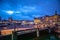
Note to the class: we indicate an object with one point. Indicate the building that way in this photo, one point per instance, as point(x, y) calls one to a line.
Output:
point(47, 20)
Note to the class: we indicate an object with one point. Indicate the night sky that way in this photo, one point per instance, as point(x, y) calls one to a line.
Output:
point(28, 9)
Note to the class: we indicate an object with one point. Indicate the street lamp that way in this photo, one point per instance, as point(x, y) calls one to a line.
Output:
point(37, 21)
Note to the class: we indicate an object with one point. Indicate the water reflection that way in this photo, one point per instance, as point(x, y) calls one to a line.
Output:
point(44, 37)
point(58, 36)
point(53, 38)
point(50, 37)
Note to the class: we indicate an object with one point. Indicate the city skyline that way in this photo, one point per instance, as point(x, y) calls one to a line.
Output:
point(27, 10)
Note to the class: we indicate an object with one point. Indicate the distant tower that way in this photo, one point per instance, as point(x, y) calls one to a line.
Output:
point(0, 18)
point(10, 19)
point(56, 13)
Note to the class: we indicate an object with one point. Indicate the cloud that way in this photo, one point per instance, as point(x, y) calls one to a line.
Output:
point(35, 15)
point(28, 9)
point(24, 16)
point(9, 12)
point(23, 9)
point(27, 17)
point(17, 11)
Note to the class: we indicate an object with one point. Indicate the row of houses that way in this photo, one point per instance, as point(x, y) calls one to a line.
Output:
point(48, 21)
point(10, 20)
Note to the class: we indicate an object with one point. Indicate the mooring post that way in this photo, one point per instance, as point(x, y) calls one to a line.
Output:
point(14, 33)
point(37, 31)
point(12, 36)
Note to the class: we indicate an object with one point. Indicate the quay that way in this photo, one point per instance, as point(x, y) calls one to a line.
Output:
point(29, 34)
point(21, 31)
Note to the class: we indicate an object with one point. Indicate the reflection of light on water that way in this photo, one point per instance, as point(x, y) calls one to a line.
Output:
point(58, 36)
point(52, 38)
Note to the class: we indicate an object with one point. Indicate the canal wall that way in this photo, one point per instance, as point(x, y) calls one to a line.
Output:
point(28, 35)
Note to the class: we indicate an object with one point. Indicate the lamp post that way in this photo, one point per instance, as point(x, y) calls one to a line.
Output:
point(37, 21)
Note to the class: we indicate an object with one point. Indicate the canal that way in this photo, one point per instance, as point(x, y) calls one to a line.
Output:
point(44, 35)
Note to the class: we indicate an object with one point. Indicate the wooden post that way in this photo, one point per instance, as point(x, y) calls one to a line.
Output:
point(14, 34)
point(37, 33)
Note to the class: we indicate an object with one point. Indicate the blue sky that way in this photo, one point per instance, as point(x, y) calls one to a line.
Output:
point(28, 9)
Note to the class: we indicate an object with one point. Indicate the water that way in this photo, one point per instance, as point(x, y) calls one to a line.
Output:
point(32, 36)
point(52, 37)
point(42, 37)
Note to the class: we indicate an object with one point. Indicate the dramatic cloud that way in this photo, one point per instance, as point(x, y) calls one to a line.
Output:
point(28, 9)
